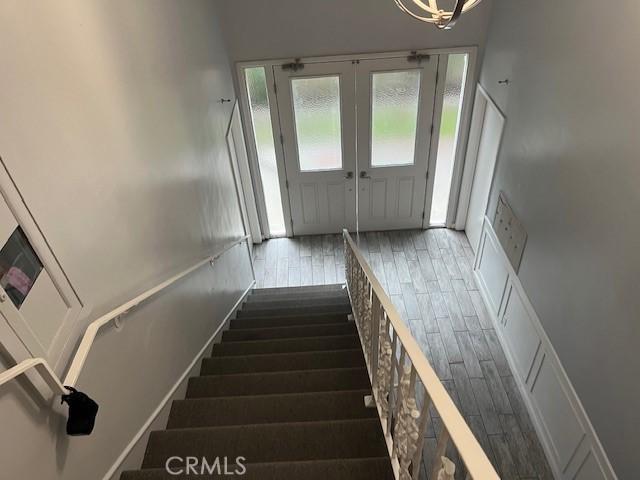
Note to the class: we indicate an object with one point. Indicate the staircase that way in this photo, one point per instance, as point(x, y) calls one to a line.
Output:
point(285, 390)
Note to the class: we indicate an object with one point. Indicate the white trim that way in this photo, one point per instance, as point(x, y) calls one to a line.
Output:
point(566, 465)
point(242, 175)
point(471, 155)
point(436, 121)
point(147, 424)
point(462, 138)
point(471, 49)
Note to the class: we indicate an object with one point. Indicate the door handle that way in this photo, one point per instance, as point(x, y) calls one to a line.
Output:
point(349, 175)
point(363, 174)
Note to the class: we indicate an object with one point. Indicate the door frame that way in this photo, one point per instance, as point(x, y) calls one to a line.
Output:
point(24, 338)
point(481, 102)
point(343, 70)
point(268, 64)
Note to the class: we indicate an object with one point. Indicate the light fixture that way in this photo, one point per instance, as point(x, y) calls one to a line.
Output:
point(443, 19)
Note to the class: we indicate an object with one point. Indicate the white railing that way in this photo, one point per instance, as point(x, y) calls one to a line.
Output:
point(80, 357)
point(404, 384)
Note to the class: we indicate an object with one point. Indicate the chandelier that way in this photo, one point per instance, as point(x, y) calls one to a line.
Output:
point(430, 13)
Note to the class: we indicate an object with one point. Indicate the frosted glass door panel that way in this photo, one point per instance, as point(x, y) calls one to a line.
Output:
point(317, 111)
point(394, 104)
point(316, 105)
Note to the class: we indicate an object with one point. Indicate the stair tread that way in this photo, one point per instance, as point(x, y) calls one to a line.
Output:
point(376, 468)
point(274, 408)
point(292, 381)
point(282, 345)
point(282, 361)
point(289, 331)
point(283, 321)
point(289, 441)
point(270, 302)
point(293, 311)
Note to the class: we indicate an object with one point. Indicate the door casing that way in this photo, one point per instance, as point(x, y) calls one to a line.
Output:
point(268, 64)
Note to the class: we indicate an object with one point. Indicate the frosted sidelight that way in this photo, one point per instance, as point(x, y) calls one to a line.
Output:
point(448, 142)
point(263, 137)
point(316, 106)
point(394, 117)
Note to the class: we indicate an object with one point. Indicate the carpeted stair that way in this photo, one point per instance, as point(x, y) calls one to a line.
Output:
point(285, 390)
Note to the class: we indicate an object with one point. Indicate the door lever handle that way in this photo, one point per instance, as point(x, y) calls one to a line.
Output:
point(349, 175)
point(363, 174)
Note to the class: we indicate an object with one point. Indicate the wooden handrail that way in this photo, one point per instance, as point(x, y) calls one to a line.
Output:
point(476, 461)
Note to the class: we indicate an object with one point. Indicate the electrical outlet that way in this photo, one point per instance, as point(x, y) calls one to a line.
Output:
point(510, 232)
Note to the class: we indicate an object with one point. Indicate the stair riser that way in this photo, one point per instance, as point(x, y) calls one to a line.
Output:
point(282, 362)
point(270, 409)
point(277, 383)
point(313, 289)
point(270, 443)
point(297, 320)
point(303, 296)
point(343, 342)
point(311, 302)
point(347, 469)
point(296, 310)
point(241, 335)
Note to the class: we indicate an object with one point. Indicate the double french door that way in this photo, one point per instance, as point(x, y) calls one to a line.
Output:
point(356, 137)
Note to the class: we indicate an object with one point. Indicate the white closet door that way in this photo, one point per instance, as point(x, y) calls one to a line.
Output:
point(488, 125)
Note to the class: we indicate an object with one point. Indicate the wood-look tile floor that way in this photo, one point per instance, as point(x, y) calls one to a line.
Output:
point(428, 275)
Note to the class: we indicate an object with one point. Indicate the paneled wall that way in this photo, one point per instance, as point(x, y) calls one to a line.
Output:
point(568, 165)
point(571, 444)
point(114, 134)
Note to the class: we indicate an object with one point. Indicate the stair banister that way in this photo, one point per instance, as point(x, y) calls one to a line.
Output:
point(404, 383)
point(73, 373)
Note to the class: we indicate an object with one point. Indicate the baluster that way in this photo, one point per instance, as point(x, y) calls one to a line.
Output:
point(398, 400)
point(438, 457)
point(376, 313)
point(366, 319)
point(384, 368)
point(392, 388)
point(424, 419)
point(408, 430)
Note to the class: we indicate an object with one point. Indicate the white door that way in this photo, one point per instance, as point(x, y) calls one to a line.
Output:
point(316, 103)
point(395, 115)
point(486, 133)
point(36, 300)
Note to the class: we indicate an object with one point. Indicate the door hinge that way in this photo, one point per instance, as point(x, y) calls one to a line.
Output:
point(282, 139)
point(423, 215)
point(295, 65)
point(427, 175)
point(275, 87)
point(417, 57)
point(431, 130)
point(286, 184)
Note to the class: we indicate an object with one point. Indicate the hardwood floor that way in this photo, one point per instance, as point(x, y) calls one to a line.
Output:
point(428, 276)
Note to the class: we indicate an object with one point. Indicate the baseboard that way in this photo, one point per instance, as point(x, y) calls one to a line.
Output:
point(565, 431)
point(165, 402)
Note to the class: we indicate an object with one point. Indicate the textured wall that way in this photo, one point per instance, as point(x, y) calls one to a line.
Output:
point(569, 166)
point(256, 29)
point(113, 133)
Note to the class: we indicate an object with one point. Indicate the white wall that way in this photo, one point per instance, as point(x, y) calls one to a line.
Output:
point(258, 29)
point(569, 167)
point(113, 133)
